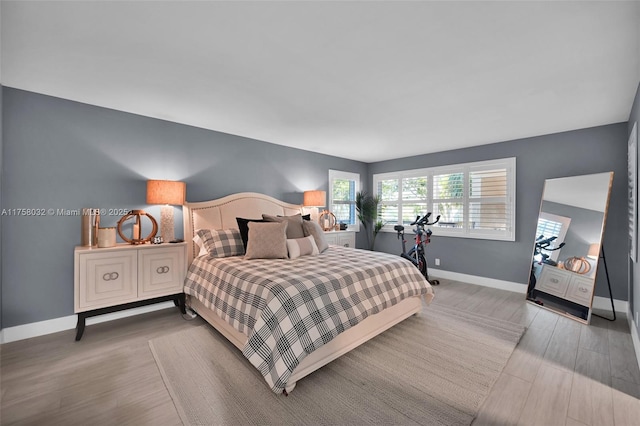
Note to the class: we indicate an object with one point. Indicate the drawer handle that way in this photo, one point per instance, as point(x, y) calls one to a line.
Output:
point(110, 276)
point(582, 289)
point(554, 280)
point(346, 245)
point(162, 269)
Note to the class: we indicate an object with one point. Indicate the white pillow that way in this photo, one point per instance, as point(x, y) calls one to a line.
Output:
point(200, 244)
point(302, 247)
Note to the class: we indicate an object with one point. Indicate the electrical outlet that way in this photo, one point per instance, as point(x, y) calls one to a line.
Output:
point(437, 262)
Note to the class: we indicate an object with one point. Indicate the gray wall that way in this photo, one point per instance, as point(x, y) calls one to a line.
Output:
point(586, 151)
point(67, 155)
point(634, 268)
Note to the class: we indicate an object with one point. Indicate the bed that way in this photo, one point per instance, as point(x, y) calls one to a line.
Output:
point(291, 316)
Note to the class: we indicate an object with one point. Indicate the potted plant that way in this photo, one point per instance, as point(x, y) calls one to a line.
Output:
point(367, 209)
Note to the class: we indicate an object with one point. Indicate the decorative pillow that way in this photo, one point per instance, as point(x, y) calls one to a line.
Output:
point(313, 229)
point(267, 240)
point(294, 230)
point(221, 242)
point(302, 247)
point(203, 251)
point(244, 228)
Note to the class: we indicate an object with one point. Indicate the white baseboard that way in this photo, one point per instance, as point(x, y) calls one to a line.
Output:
point(483, 281)
point(634, 335)
point(604, 304)
point(55, 325)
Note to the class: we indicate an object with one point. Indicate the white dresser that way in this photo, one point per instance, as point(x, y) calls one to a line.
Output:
point(341, 238)
point(566, 284)
point(126, 276)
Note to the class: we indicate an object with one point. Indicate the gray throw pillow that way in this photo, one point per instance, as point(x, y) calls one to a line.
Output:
point(313, 229)
point(267, 240)
point(294, 230)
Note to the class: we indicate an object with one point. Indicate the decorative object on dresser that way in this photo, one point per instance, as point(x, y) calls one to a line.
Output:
point(106, 237)
point(90, 224)
point(576, 264)
point(127, 276)
point(168, 193)
point(136, 237)
point(327, 220)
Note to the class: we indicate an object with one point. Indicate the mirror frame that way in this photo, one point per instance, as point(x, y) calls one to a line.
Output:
point(555, 303)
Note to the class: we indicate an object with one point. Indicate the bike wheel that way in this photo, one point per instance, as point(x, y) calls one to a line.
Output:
point(422, 263)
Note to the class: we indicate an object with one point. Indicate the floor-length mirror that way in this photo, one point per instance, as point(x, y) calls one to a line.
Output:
point(568, 244)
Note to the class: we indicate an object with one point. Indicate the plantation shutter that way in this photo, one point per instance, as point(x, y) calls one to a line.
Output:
point(489, 204)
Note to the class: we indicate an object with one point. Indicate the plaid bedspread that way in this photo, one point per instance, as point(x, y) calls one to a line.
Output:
point(290, 307)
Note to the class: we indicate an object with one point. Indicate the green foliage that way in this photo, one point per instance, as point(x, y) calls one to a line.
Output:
point(367, 209)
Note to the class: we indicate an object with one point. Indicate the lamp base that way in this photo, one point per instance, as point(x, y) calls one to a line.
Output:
point(166, 223)
point(313, 212)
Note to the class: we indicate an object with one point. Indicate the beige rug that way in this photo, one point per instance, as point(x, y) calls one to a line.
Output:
point(433, 368)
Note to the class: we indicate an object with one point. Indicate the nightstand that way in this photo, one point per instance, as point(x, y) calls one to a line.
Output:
point(341, 238)
point(127, 276)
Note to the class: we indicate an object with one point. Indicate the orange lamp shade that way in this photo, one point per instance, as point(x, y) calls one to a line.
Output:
point(166, 192)
point(315, 198)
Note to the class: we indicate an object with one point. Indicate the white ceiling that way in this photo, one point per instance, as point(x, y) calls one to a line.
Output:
point(362, 80)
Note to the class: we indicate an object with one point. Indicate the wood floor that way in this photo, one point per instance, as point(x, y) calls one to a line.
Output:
point(561, 373)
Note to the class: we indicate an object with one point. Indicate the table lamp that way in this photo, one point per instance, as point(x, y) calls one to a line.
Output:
point(314, 199)
point(318, 199)
point(168, 193)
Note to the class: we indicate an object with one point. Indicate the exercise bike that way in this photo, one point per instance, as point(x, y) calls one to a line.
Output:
point(422, 237)
point(542, 245)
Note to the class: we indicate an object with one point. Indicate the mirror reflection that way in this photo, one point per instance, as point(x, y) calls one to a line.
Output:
point(568, 243)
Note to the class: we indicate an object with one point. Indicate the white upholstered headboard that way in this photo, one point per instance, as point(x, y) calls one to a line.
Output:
point(222, 213)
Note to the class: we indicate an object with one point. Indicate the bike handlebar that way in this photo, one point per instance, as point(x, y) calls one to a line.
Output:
point(424, 220)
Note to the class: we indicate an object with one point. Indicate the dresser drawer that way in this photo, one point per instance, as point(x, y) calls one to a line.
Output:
point(341, 238)
point(553, 281)
point(106, 279)
point(580, 290)
point(160, 271)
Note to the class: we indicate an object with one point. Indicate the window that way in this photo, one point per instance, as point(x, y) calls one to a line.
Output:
point(343, 187)
point(474, 200)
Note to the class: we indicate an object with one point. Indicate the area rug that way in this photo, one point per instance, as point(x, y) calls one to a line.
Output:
point(435, 368)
